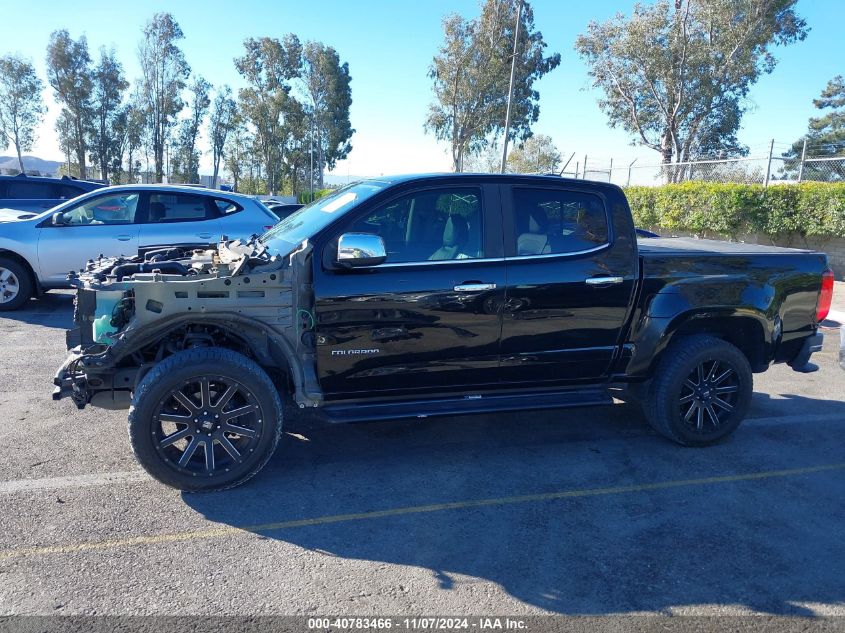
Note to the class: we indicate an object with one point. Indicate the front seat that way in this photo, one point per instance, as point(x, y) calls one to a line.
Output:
point(536, 240)
point(455, 236)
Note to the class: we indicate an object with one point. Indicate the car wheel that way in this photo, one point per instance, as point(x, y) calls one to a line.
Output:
point(701, 391)
point(205, 419)
point(15, 284)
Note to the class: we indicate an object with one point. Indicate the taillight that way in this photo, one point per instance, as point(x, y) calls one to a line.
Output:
point(825, 296)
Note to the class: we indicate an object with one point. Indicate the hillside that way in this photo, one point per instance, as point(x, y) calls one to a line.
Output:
point(32, 163)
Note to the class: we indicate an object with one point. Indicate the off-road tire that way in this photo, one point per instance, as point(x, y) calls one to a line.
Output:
point(25, 285)
point(662, 405)
point(191, 365)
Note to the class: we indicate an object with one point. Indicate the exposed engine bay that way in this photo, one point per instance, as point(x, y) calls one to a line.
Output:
point(130, 313)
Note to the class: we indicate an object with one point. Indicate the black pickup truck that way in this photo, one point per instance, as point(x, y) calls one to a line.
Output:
point(432, 295)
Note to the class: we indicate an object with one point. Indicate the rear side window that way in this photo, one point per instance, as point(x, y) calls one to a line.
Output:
point(66, 192)
point(29, 191)
point(179, 207)
point(554, 221)
point(226, 207)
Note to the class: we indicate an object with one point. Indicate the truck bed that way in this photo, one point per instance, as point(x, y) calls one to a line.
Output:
point(689, 245)
point(734, 279)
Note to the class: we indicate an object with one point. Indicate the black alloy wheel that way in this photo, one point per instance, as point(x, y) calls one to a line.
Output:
point(708, 396)
point(700, 392)
point(205, 419)
point(207, 426)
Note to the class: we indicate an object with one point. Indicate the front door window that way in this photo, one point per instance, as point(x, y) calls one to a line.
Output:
point(431, 225)
point(111, 209)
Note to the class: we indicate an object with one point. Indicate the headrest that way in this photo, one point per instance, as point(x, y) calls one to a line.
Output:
point(538, 222)
point(456, 231)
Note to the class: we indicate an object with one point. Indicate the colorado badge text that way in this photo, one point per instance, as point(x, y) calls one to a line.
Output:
point(355, 352)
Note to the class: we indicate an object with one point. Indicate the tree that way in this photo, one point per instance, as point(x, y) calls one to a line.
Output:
point(164, 72)
point(21, 107)
point(268, 65)
point(237, 150)
point(486, 161)
point(675, 75)
point(64, 130)
point(538, 154)
point(330, 97)
point(221, 123)
point(118, 146)
point(825, 137)
point(136, 131)
point(186, 157)
point(69, 73)
point(471, 74)
point(109, 86)
point(297, 163)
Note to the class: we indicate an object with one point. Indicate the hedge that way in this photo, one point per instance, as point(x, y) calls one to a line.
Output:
point(305, 198)
point(810, 209)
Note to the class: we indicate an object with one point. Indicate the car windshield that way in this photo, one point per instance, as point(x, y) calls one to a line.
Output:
point(313, 218)
point(67, 204)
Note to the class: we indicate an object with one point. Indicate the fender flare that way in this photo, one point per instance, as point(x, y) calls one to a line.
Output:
point(271, 347)
point(653, 334)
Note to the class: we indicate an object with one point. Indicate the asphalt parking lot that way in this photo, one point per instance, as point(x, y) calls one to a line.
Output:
point(576, 512)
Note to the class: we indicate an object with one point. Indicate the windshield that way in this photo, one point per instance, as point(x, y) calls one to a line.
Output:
point(67, 203)
point(316, 216)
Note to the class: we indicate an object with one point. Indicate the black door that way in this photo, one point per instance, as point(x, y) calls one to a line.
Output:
point(429, 318)
point(571, 276)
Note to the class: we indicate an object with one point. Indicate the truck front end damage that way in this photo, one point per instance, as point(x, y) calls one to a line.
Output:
point(130, 313)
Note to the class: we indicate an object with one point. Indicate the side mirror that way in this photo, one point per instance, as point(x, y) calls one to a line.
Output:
point(360, 249)
point(58, 218)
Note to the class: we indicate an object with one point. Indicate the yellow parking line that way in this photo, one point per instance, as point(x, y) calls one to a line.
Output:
point(436, 507)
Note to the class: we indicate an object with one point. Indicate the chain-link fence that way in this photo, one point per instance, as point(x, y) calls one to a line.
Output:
point(765, 169)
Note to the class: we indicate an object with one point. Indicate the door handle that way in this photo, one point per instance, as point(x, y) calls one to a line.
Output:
point(204, 236)
point(603, 281)
point(124, 238)
point(474, 287)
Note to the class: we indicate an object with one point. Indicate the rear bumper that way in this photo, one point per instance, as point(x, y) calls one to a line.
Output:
point(811, 345)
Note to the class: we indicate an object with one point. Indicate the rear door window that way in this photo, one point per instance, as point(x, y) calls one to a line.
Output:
point(557, 221)
point(179, 207)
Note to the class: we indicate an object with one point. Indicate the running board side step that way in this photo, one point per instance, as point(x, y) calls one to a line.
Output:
point(459, 405)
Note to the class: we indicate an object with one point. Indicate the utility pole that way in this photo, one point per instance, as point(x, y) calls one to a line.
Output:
point(769, 165)
point(801, 166)
point(510, 87)
point(629, 171)
point(571, 156)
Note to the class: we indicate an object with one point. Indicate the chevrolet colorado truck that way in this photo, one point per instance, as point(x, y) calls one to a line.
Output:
point(432, 295)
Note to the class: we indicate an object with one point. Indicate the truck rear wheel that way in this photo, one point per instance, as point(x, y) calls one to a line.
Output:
point(205, 419)
point(701, 391)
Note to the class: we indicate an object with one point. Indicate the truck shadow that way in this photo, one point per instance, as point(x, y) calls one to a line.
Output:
point(772, 544)
point(53, 309)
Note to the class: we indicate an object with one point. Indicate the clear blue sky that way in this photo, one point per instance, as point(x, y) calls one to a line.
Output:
point(389, 45)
